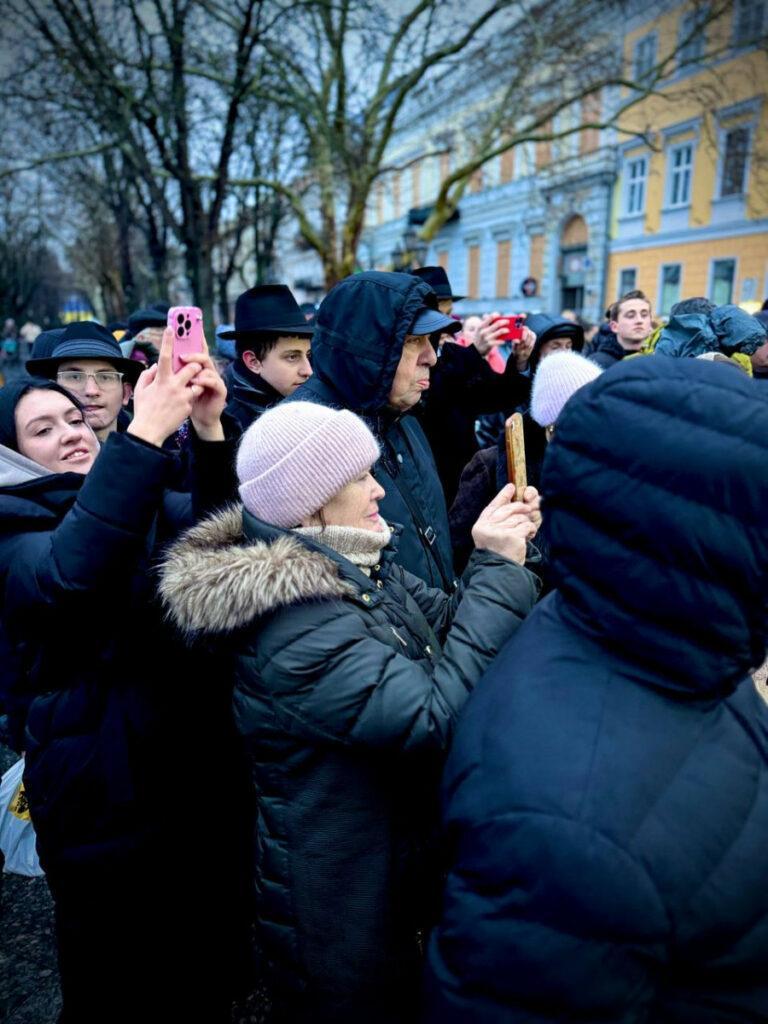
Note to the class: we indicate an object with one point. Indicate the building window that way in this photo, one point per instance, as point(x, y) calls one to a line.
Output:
point(680, 168)
point(507, 166)
point(635, 186)
point(627, 280)
point(645, 57)
point(671, 274)
point(723, 274)
point(473, 271)
point(691, 38)
point(749, 21)
point(536, 263)
point(416, 185)
point(503, 259)
point(735, 153)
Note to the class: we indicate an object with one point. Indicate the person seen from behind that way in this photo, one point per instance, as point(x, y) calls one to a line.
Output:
point(606, 796)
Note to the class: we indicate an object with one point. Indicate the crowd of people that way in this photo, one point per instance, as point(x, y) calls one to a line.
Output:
point(453, 749)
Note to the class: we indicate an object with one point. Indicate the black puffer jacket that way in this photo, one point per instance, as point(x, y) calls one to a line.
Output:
point(347, 692)
point(116, 725)
point(356, 348)
point(607, 792)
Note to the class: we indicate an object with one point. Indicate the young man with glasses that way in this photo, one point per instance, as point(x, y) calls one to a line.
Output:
point(89, 363)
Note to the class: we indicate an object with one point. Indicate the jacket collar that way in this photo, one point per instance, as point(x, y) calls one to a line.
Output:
point(233, 568)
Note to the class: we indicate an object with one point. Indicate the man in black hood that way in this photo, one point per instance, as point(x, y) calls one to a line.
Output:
point(372, 352)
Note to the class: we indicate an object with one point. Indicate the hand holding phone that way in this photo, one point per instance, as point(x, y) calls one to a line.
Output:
point(514, 327)
point(186, 322)
point(515, 443)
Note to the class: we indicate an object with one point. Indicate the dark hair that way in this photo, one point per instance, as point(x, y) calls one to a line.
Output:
point(615, 309)
point(696, 305)
point(12, 394)
point(258, 342)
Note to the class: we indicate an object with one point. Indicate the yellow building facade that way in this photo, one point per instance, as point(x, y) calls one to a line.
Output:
point(690, 205)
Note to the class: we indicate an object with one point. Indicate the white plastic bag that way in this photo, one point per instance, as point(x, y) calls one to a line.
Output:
point(17, 833)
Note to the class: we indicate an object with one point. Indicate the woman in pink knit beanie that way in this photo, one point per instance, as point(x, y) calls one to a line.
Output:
point(350, 675)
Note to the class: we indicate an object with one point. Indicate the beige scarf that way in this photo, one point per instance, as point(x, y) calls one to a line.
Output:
point(362, 547)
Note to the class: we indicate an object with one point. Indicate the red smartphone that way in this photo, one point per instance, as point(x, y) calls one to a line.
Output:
point(186, 322)
point(515, 326)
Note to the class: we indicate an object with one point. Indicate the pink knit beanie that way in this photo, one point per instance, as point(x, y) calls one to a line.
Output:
point(299, 455)
point(558, 377)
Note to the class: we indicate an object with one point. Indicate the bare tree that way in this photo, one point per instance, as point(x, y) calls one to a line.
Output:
point(350, 73)
point(162, 84)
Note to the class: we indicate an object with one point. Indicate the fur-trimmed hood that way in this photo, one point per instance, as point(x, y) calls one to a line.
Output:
point(214, 580)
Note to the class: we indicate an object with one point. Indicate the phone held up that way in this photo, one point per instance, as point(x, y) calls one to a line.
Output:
point(515, 325)
point(186, 322)
point(515, 444)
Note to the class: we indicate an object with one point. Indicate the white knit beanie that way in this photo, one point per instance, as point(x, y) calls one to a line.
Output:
point(297, 456)
point(558, 377)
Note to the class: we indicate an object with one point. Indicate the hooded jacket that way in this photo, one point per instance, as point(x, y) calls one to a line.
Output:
point(607, 792)
point(725, 329)
point(348, 688)
point(361, 328)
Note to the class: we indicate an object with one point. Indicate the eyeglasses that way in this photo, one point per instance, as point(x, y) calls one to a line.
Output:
point(77, 379)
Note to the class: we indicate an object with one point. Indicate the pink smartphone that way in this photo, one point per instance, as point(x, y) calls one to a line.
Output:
point(186, 322)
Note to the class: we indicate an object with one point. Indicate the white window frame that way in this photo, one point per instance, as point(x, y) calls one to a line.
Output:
point(631, 183)
point(620, 290)
point(660, 306)
point(680, 172)
point(649, 42)
point(711, 276)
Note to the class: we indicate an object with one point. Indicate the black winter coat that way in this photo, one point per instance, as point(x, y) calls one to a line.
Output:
point(606, 350)
point(463, 388)
point(356, 348)
point(116, 725)
point(249, 395)
point(607, 792)
point(347, 692)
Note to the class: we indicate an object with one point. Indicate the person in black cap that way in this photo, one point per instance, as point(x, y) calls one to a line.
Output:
point(88, 362)
point(272, 340)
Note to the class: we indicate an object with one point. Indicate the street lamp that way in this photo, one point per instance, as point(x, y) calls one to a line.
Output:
point(409, 250)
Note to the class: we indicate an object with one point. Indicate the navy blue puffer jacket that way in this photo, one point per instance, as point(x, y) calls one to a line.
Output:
point(607, 793)
point(356, 348)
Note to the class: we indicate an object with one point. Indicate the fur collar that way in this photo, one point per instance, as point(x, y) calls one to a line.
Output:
point(213, 581)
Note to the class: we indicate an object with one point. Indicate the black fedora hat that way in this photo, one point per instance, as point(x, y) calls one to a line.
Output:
point(86, 340)
point(437, 279)
point(268, 309)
